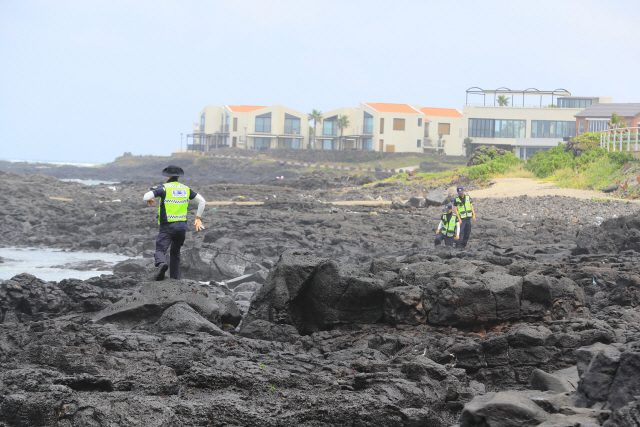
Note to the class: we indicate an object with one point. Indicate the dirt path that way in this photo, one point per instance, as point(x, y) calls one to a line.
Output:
point(514, 187)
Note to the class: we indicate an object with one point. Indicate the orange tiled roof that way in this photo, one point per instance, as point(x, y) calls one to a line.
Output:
point(244, 108)
point(393, 108)
point(441, 112)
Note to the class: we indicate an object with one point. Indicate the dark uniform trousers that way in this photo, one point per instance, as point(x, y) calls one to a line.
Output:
point(465, 232)
point(170, 234)
point(448, 241)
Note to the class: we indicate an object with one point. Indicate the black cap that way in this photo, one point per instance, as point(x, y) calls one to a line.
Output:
point(448, 207)
point(460, 189)
point(172, 170)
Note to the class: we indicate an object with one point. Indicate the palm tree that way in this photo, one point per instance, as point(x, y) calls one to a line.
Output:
point(503, 101)
point(343, 123)
point(316, 116)
point(616, 121)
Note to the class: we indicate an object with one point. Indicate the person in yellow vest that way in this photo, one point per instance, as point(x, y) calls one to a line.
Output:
point(172, 219)
point(449, 228)
point(464, 212)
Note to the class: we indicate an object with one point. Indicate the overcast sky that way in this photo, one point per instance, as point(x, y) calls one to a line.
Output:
point(88, 80)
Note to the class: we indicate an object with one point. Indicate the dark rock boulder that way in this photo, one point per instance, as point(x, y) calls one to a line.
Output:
point(180, 317)
point(612, 236)
point(543, 381)
point(267, 331)
point(435, 198)
point(146, 306)
point(403, 305)
point(502, 409)
point(414, 202)
point(313, 294)
point(25, 298)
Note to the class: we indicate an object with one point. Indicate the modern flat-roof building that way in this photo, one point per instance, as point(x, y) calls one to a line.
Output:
point(249, 126)
point(596, 117)
point(521, 127)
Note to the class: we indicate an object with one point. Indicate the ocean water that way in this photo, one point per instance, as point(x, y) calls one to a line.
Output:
point(43, 263)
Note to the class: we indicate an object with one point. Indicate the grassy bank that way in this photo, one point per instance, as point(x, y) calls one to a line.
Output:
point(593, 169)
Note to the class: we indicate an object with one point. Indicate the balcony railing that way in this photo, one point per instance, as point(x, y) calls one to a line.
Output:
point(367, 129)
point(263, 129)
point(195, 147)
point(620, 139)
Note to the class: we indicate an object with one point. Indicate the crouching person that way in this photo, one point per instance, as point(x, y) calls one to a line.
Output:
point(449, 227)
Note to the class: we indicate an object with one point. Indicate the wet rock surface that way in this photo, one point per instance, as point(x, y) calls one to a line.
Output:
point(300, 313)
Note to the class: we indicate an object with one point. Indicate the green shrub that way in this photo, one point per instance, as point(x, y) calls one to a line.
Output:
point(202, 162)
point(588, 141)
point(619, 157)
point(494, 165)
point(544, 164)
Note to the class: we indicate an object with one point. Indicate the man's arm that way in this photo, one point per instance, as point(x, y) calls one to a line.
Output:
point(473, 212)
point(201, 205)
point(455, 209)
point(457, 230)
point(148, 197)
point(439, 227)
point(153, 192)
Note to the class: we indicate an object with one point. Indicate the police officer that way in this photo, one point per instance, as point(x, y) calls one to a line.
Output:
point(464, 212)
point(172, 219)
point(448, 227)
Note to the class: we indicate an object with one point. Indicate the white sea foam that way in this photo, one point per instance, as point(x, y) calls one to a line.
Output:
point(39, 262)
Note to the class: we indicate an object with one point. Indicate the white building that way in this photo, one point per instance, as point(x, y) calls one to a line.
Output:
point(522, 127)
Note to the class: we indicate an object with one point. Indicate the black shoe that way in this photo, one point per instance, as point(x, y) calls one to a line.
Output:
point(160, 270)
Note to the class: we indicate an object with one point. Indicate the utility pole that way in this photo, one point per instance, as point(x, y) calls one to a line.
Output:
point(181, 142)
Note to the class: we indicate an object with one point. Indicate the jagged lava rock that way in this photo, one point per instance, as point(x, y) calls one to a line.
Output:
point(154, 298)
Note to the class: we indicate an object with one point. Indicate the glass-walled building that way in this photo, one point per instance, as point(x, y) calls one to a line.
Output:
point(524, 130)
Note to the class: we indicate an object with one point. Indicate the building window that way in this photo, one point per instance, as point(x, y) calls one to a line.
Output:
point(367, 144)
point(420, 121)
point(552, 129)
point(235, 124)
point(426, 130)
point(598, 125)
point(202, 122)
point(263, 123)
point(398, 124)
point(328, 144)
point(444, 128)
point(226, 123)
point(291, 124)
point(382, 145)
point(262, 143)
point(496, 128)
point(628, 124)
point(574, 103)
point(381, 125)
point(581, 127)
point(291, 143)
point(368, 124)
point(329, 127)
point(419, 144)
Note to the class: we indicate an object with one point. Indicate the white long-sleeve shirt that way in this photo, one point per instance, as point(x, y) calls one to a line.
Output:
point(201, 202)
point(440, 225)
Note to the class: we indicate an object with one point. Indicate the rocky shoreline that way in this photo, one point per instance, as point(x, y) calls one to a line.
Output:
point(299, 312)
